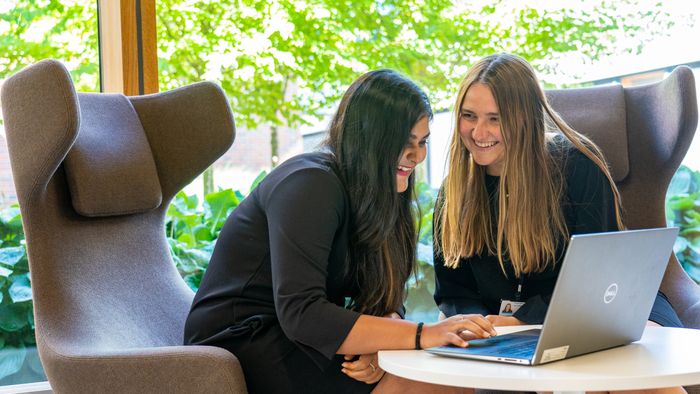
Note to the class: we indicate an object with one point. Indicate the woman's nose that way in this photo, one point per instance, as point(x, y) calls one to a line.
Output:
point(480, 130)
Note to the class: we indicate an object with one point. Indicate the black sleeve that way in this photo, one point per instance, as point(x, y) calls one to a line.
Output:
point(456, 291)
point(662, 312)
point(590, 196)
point(304, 213)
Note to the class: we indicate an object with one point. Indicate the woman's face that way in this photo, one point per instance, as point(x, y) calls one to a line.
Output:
point(413, 153)
point(480, 128)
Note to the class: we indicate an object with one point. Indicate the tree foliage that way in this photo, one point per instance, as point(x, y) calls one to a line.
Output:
point(284, 62)
point(32, 30)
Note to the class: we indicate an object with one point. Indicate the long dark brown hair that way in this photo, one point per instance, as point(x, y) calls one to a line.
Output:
point(367, 136)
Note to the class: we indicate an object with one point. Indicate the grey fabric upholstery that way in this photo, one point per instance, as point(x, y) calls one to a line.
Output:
point(599, 113)
point(660, 121)
point(109, 304)
point(110, 148)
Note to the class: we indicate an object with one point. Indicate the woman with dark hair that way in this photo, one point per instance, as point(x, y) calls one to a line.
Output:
point(307, 279)
point(520, 182)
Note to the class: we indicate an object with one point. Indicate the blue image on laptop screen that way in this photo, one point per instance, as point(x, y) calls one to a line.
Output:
point(516, 345)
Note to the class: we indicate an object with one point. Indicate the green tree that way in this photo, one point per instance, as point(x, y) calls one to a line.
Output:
point(284, 62)
point(33, 30)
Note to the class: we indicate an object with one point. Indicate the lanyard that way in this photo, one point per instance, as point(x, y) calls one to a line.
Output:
point(519, 293)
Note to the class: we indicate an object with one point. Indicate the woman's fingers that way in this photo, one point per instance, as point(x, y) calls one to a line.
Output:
point(456, 340)
point(362, 375)
point(468, 335)
point(477, 324)
point(357, 365)
point(365, 368)
point(473, 327)
point(371, 374)
point(361, 363)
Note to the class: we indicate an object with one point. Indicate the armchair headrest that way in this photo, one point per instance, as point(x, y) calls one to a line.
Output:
point(110, 167)
point(108, 161)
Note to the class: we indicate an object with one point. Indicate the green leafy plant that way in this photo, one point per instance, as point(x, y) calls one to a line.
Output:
point(683, 211)
point(16, 318)
point(192, 229)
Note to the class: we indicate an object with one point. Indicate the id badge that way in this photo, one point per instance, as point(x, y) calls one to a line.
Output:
point(509, 307)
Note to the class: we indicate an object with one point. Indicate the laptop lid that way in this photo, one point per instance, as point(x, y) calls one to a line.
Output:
point(605, 291)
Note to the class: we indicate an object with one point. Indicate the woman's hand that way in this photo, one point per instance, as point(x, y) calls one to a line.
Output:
point(498, 321)
point(365, 368)
point(456, 330)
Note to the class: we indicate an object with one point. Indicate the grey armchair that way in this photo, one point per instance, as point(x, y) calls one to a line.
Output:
point(94, 174)
point(644, 132)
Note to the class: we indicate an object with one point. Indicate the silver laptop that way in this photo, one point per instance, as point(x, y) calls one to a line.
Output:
point(603, 296)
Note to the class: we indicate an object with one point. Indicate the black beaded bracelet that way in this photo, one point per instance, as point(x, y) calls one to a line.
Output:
point(419, 330)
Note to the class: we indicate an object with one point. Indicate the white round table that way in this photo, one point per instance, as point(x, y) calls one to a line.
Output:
point(664, 357)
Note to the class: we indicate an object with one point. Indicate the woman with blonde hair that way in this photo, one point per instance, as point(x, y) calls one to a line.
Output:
point(520, 182)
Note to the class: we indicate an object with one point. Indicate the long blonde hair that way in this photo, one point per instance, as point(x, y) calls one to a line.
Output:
point(530, 223)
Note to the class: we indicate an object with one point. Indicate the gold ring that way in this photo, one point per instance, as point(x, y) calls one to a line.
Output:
point(373, 367)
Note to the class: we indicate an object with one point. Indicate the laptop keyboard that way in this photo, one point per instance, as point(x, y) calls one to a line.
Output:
point(521, 346)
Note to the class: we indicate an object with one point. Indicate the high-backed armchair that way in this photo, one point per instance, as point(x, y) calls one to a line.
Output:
point(94, 174)
point(644, 133)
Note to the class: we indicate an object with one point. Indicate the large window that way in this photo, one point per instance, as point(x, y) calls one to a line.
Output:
point(32, 31)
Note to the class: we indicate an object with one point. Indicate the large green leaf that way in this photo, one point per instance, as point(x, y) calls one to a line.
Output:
point(193, 281)
point(681, 183)
point(10, 214)
point(12, 317)
point(34, 362)
point(680, 245)
point(257, 180)
point(218, 205)
point(187, 239)
point(681, 202)
point(20, 290)
point(199, 256)
point(12, 255)
point(11, 360)
point(30, 317)
point(203, 233)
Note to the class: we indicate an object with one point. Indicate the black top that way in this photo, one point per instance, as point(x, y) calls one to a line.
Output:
point(279, 260)
point(478, 285)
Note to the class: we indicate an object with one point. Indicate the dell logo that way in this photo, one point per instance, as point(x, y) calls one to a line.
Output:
point(610, 293)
